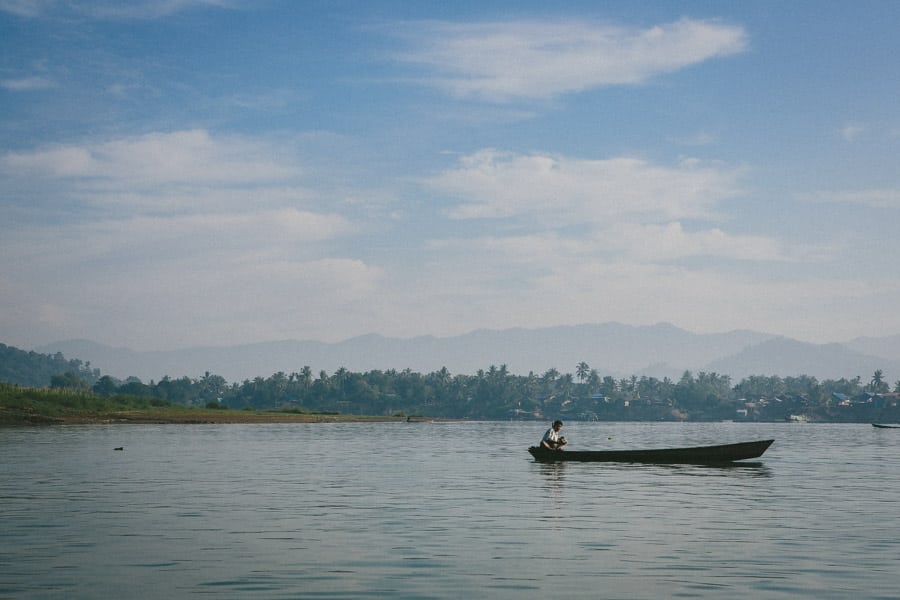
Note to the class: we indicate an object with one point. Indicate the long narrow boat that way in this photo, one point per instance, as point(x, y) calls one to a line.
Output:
point(881, 426)
point(700, 455)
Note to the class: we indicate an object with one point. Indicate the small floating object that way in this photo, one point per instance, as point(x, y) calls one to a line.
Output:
point(119, 448)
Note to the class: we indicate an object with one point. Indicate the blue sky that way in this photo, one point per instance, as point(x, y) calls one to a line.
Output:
point(215, 172)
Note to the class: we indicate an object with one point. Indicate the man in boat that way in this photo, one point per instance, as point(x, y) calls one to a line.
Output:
point(552, 440)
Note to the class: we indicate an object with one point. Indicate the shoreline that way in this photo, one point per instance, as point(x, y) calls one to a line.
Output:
point(199, 418)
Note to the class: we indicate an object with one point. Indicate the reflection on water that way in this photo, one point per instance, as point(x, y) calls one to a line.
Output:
point(552, 472)
point(749, 467)
point(733, 469)
point(553, 477)
point(400, 511)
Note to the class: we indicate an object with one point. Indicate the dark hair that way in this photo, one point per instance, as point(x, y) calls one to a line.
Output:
point(557, 422)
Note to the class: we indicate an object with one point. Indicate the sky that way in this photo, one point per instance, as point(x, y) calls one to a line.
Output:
point(180, 173)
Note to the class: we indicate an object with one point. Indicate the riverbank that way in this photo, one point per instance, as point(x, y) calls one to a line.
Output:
point(187, 417)
point(33, 406)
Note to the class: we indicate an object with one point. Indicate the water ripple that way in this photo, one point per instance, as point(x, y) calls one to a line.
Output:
point(412, 511)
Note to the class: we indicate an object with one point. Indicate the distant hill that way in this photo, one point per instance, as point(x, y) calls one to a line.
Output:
point(881, 346)
point(34, 369)
point(787, 357)
point(614, 349)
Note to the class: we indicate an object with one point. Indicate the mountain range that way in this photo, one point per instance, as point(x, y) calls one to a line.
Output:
point(614, 349)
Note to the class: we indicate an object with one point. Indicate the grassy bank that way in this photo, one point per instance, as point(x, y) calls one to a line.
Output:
point(33, 406)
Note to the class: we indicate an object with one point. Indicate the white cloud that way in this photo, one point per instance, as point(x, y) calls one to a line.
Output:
point(108, 9)
point(662, 243)
point(27, 84)
point(219, 277)
point(126, 244)
point(25, 8)
point(621, 243)
point(156, 159)
point(255, 298)
point(851, 131)
point(188, 231)
point(550, 279)
point(148, 9)
point(195, 300)
point(591, 241)
point(492, 184)
point(503, 61)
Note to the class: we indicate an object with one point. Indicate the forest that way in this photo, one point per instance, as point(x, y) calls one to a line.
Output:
point(36, 370)
point(493, 394)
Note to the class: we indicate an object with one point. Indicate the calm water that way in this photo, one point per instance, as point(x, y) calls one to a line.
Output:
point(444, 511)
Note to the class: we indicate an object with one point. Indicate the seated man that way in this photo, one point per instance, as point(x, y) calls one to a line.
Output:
point(552, 440)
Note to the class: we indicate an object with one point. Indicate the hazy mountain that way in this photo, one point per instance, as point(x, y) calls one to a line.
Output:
point(611, 348)
point(614, 349)
point(787, 357)
point(885, 347)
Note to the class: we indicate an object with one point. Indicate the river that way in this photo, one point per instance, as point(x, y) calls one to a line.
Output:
point(444, 511)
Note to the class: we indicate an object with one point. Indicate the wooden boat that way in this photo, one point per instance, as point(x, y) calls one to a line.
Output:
point(880, 426)
point(700, 455)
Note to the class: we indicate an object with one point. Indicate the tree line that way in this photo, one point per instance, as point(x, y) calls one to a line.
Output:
point(495, 393)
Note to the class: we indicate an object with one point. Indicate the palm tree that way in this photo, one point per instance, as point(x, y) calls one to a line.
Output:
point(306, 376)
point(593, 381)
point(566, 383)
point(442, 377)
point(582, 370)
point(878, 385)
point(549, 380)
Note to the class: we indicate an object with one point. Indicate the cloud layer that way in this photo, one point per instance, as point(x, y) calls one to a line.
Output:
point(216, 172)
point(504, 61)
point(493, 184)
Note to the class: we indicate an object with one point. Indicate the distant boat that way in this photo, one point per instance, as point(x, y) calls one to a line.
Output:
point(700, 455)
point(880, 426)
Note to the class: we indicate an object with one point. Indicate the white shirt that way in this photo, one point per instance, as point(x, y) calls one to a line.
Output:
point(552, 435)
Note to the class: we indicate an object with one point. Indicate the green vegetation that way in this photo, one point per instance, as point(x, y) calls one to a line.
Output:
point(491, 394)
point(37, 370)
point(24, 405)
